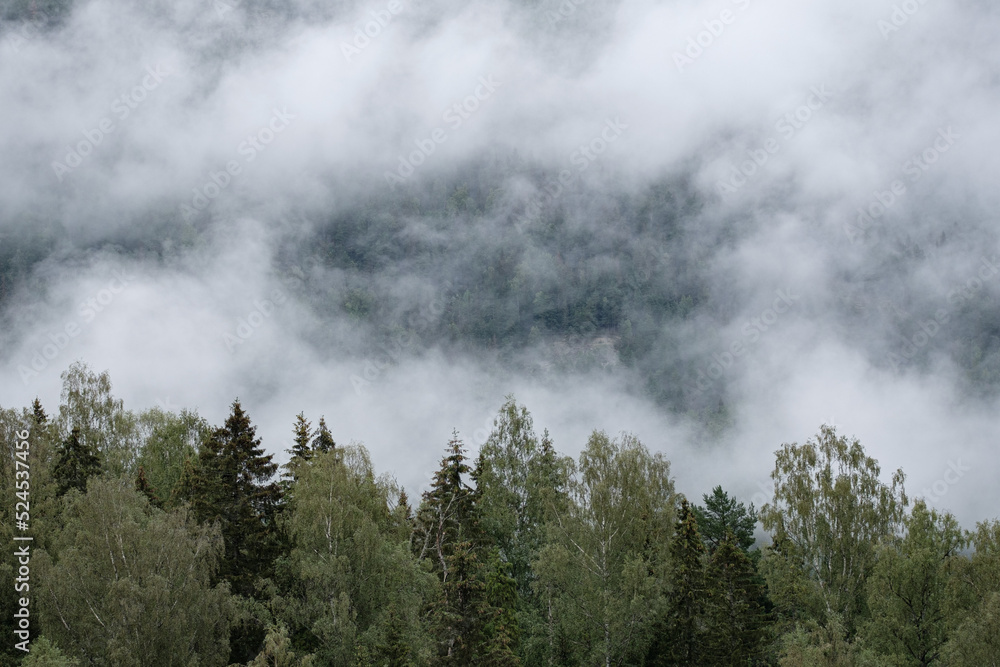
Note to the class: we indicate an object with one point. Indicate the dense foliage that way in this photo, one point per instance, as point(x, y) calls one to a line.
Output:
point(162, 541)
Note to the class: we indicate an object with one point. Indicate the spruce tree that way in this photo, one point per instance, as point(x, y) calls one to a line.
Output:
point(735, 620)
point(38, 413)
point(230, 484)
point(323, 441)
point(679, 635)
point(76, 464)
point(446, 535)
point(303, 438)
point(723, 515)
point(501, 630)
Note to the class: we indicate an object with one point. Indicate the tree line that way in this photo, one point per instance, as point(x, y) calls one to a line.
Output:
point(161, 540)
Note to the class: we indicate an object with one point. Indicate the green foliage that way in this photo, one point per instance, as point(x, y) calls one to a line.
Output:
point(302, 438)
point(127, 584)
point(977, 639)
point(77, 463)
point(355, 588)
point(602, 569)
point(168, 440)
point(735, 617)
point(519, 482)
point(231, 485)
point(277, 651)
point(44, 653)
point(680, 633)
point(323, 441)
point(102, 423)
point(542, 561)
point(722, 516)
point(911, 592)
point(830, 510)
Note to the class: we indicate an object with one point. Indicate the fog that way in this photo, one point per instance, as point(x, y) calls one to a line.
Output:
point(259, 200)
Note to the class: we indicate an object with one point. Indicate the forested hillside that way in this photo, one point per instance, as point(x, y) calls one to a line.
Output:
point(159, 539)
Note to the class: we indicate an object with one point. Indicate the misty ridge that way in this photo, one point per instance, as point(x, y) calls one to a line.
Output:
point(714, 225)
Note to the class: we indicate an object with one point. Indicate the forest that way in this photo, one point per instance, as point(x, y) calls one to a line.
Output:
point(159, 539)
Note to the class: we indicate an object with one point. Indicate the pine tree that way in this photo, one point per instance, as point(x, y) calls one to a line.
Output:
point(303, 437)
point(680, 634)
point(38, 413)
point(76, 464)
point(736, 621)
point(446, 535)
point(722, 516)
point(501, 632)
point(231, 485)
point(323, 441)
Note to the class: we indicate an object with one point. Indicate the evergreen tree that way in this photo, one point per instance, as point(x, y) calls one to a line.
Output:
point(38, 413)
point(680, 633)
point(143, 487)
point(302, 447)
point(445, 517)
point(448, 538)
point(501, 631)
point(323, 441)
point(736, 622)
point(723, 516)
point(76, 464)
point(231, 485)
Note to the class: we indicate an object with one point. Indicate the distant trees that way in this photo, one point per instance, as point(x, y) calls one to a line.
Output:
point(164, 541)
